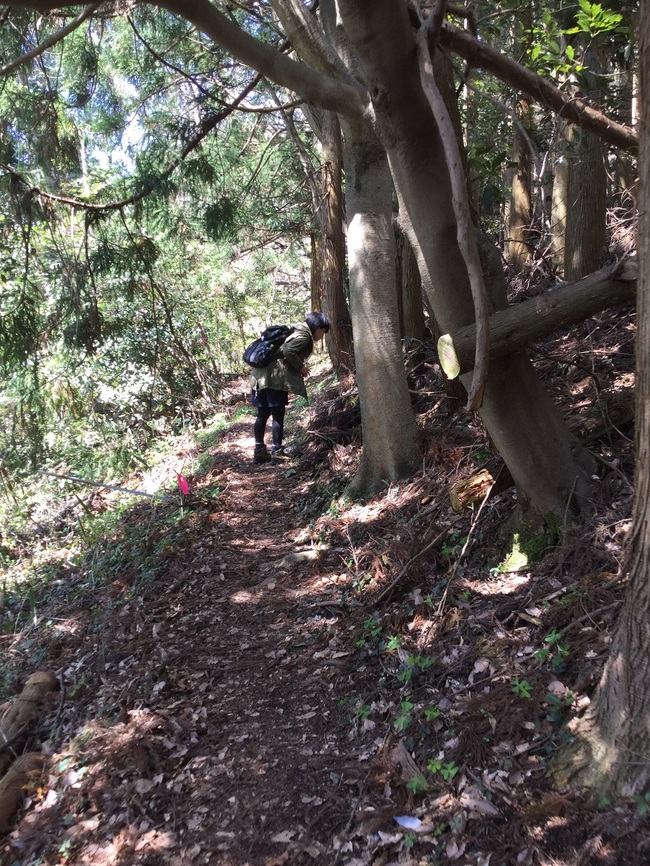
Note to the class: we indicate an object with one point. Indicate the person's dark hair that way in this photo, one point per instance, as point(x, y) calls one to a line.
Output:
point(317, 320)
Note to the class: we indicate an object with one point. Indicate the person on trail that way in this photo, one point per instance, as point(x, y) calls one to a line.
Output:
point(270, 386)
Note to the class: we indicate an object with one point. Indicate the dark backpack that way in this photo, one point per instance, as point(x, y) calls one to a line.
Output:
point(264, 351)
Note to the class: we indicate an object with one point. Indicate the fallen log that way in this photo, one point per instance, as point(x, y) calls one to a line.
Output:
point(23, 770)
point(518, 326)
point(16, 722)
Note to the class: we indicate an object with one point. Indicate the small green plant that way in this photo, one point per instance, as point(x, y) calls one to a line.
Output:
point(553, 651)
point(448, 771)
point(363, 712)
point(454, 545)
point(404, 718)
point(642, 803)
point(409, 840)
point(521, 688)
point(394, 642)
point(414, 665)
point(431, 713)
point(417, 784)
point(371, 630)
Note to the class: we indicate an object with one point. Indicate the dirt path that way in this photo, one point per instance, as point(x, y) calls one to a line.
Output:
point(222, 673)
point(243, 687)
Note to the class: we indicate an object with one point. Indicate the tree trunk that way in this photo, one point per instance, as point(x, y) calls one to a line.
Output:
point(390, 451)
point(339, 338)
point(586, 214)
point(517, 247)
point(611, 752)
point(524, 424)
point(410, 295)
point(559, 198)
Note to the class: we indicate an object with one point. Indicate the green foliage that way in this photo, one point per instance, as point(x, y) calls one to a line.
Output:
point(521, 688)
point(117, 324)
point(553, 651)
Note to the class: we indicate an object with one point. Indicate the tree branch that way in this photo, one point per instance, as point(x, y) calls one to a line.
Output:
point(324, 91)
point(206, 128)
point(573, 109)
point(51, 40)
point(464, 226)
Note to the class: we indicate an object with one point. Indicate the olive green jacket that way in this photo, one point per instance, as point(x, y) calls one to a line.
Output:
point(284, 374)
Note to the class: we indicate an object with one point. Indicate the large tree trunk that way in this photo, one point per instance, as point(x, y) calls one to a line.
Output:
point(339, 339)
point(524, 424)
point(611, 752)
point(389, 431)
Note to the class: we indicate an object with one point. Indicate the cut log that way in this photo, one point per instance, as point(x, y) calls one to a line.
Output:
point(23, 770)
point(15, 723)
point(488, 481)
point(520, 325)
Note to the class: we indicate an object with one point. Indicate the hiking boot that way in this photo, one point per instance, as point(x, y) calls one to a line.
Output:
point(279, 455)
point(261, 455)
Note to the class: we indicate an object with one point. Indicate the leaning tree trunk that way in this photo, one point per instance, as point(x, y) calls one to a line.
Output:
point(611, 751)
point(390, 451)
point(524, 424)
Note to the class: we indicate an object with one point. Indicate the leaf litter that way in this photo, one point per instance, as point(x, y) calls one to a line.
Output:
point(318, 681)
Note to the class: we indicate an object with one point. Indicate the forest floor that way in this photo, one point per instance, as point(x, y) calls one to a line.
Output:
point(263, 672)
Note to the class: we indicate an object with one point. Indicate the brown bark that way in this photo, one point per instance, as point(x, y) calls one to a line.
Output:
point(316, 281)
point(15, 723)
point(539, 89)
point(339, 338)
point(517, 246)
point(12, 784)
point(486, 482)
point(560, 197)
point(611, 751)
point(411, 305)
point(518, 326)
point(585, 240)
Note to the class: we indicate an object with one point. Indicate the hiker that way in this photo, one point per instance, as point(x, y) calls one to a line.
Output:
point(271, 385)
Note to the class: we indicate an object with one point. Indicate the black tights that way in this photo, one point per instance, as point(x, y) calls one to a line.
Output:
point(277, 425)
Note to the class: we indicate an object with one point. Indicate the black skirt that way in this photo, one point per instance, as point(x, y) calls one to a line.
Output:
point(269, 398)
